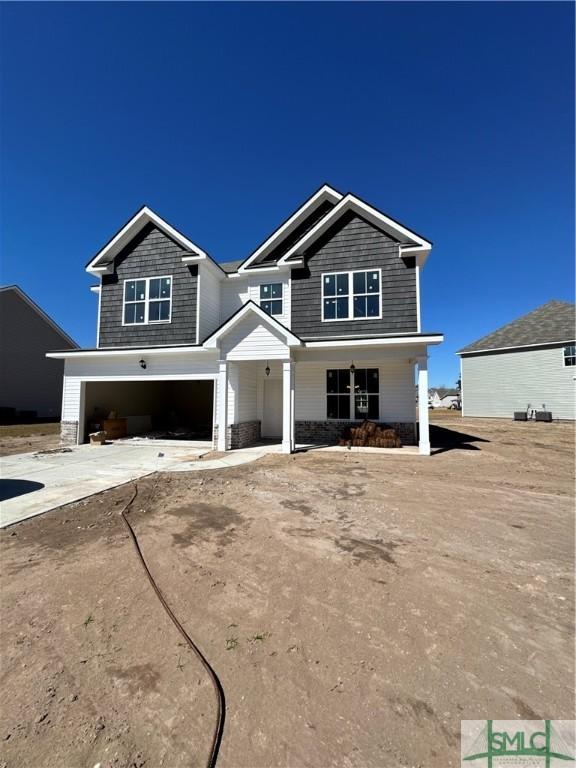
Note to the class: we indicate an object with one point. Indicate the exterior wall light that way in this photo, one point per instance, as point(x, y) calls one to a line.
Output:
point(352, 367)
point(267, 370)
point(142, 363)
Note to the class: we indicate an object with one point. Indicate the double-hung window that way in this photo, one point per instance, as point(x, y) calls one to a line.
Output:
point(147, 300)
point(353, 295)
point(271, 298)
point(570, 355)
point(353, 394)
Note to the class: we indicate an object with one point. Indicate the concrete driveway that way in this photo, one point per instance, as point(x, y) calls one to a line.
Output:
point(33, 483)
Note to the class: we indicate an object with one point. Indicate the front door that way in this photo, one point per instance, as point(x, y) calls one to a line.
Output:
point(272, 410)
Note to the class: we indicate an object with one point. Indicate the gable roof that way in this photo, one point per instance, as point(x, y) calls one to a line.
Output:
point(32, 304)
point(292, 229)
point(411, 243)
point(102, 261)
point(230, 266)
point(246, 309)
point(550, 323)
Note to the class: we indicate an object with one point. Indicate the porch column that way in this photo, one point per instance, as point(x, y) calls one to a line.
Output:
point(424, 430)
point(287, 407)
point(222, 404)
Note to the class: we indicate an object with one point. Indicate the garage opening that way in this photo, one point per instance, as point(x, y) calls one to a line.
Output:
point(162, 410)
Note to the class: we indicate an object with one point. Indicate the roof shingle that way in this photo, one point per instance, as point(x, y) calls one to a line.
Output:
point(551, 323)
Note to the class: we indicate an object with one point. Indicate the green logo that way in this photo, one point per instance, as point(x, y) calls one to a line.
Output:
point(515, 742)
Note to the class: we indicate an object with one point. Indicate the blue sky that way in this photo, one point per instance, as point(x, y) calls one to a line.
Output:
point(457, 119)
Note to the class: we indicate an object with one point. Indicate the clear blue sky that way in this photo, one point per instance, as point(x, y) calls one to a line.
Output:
point(456, 119)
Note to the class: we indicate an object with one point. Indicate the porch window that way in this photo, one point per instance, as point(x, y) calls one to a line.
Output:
point(271, 298)
point(351, 295)
point(353, 392)
point(148, 300)
point(570, 355)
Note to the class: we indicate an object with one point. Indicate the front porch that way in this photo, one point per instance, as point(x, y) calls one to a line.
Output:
point(289, 402)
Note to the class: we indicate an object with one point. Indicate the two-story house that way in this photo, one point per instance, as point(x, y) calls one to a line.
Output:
point(318, 328)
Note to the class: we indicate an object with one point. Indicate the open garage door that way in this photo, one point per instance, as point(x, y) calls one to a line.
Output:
point(163, 410)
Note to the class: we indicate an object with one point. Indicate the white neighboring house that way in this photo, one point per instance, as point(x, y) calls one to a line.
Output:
point(529, 364)
point(317, 329)
point(444, 398)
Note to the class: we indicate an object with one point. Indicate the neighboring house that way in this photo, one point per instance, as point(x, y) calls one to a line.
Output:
point(317, 329)
point(444, 398)
point(527, 364)
point(30, 385)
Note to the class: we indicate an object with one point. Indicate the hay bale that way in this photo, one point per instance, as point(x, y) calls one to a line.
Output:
point(370, 435)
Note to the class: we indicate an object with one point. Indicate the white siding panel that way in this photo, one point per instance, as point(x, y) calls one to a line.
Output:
point(397, 392)
point(499, 384)
point(209, 303)
point(157, 365)
point(247, 393)
point(71, 398)
point(250, 339)
point(236, 293)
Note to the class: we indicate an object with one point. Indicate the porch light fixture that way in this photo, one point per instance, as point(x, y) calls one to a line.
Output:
point(142, 363)
point(267, 370)
point(352, 367)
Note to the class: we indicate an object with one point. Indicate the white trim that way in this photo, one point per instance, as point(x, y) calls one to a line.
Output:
point(381, 341)
point(153, 377)
point(272, 269)
point(106, 351)
point(95, 288)
point(197, 307)
point(324, 193)
point(350, 202)
point(519, 346)
point(32, 304)
point(99, 292)
point(212, 341)
point(350, 295)
point(144, 216)
point(418, 320)
point(222, 395)
point(147, 300)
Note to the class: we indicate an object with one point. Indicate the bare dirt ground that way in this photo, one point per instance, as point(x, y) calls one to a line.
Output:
point(355, 607)
point(27, 438)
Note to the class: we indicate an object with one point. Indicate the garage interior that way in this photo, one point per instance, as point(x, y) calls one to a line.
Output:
point(162, 410)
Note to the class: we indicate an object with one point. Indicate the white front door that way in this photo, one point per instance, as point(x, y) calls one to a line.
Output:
point(272, 411)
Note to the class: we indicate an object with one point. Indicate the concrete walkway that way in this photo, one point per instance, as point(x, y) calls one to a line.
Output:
point(33, 483)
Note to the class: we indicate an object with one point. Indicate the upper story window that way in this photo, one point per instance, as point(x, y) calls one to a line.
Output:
point(570, 355)
point(271, 298)
point(352, 295)
point(147, 300)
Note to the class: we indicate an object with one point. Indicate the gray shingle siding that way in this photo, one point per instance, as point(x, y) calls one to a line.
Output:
point(150, 254)
point(355, 244)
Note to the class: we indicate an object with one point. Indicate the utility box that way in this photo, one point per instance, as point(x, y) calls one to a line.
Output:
point(520, 416)
point(543, 415)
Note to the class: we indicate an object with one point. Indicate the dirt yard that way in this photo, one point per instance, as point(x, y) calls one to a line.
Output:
point(27, 438)
point(355, 607)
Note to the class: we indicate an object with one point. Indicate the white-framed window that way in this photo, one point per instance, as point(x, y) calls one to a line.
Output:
point(570, 355)
point(271, 298)
point(147, 300)
point(355, 295)
point(353, 395)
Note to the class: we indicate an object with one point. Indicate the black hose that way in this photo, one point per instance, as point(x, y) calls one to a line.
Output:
point(217, 685)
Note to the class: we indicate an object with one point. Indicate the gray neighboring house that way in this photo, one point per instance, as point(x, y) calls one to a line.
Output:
point(29, 381)
point(529, 363)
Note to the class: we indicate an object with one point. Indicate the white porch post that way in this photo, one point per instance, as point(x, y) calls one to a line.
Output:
point(222, 404)
point(287, 407)
point(424, 429)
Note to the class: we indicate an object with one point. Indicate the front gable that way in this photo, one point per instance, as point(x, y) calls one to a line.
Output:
point(252, 339)
point(150, 253)
point(353, 243)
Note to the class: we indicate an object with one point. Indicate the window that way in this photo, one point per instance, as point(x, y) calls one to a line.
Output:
point(352, 392)
point(147, 300)
point(363, 287)
point(570, 355)
point(271, 298)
